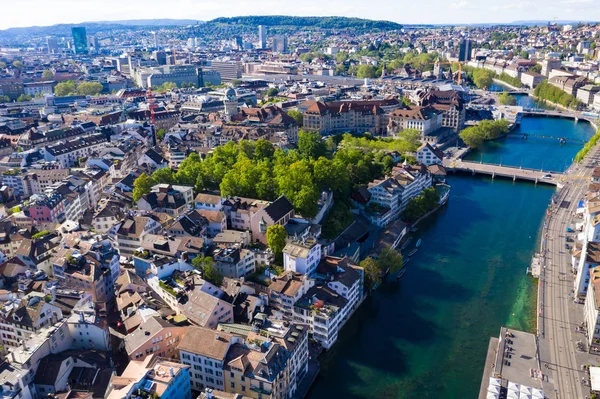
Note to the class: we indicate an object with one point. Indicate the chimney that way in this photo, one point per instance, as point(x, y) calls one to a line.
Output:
point(171, 371)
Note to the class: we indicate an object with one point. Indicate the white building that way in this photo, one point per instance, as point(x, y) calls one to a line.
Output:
point(302, 256)
point(429, 155)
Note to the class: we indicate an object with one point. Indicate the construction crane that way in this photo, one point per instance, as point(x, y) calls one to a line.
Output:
point(151, 105)
point(459, 80)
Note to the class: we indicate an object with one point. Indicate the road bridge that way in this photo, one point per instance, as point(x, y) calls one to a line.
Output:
point(508, 172)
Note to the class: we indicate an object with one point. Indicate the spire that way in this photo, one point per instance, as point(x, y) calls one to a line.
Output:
point(383, 71)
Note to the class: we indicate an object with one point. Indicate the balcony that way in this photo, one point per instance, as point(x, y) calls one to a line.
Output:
point(260, 390)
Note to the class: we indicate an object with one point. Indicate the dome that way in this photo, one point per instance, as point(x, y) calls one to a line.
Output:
point(230, 94)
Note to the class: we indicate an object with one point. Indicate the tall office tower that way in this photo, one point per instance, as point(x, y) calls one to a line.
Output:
point(80, 44)
point(238, 43)
point(52, 44)
point(262, 37)
point(464, 53)
point(280, 44)
point(155, 39)
point(93, 42)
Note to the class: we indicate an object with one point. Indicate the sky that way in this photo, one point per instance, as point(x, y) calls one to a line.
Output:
point(17, 13)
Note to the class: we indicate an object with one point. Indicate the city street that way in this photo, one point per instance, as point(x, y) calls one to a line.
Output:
point(559, 315)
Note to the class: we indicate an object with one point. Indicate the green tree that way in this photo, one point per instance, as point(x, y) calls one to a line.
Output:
point(210, 273)
point(373, 272)
point(47, 74)
point(23, 97)
point(2, 65)
point(276, 236)
point(366, 71)
point(332, 175)
point(483, 78)
point(236, 82)
point(18, 65)
point(311, 145)
point(271, 92)
point(412, 139)
point(536, 68)
point(507, 99)
point(65, 88)
point(166, 86)
point(297, 115)
point(89, 89)
point(263, 149)
point(160, 134)
point(390, 259)
point(471, 137)
point(4, 99)
point(189, 170)
point(142, 185)
point(163, 176)
point(297, 184)
point(341, 57)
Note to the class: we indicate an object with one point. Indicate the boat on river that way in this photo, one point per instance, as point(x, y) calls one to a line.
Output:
point(414, 251)
point(400, 274)
point(408, 241)
point(405, 262)
point(418, 243)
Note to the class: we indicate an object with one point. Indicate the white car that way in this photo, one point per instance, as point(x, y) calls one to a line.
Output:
point(547, 176)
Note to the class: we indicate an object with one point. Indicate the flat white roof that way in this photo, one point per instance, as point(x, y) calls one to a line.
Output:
point(595, 378)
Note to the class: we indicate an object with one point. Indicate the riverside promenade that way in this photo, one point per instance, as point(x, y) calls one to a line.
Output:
point(558, 315)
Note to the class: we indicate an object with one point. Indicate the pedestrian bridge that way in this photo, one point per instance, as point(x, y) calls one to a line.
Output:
point(561, 140)
point(507, 172)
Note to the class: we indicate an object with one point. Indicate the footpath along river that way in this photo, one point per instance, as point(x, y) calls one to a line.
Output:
point(427, 336)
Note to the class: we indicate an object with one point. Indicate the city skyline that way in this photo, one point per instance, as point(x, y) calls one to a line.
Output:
point(37, 12)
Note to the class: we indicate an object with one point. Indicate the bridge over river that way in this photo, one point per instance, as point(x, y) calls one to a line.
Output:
point(508, 172)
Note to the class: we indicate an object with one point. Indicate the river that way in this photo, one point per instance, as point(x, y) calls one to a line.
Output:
point(427, 336)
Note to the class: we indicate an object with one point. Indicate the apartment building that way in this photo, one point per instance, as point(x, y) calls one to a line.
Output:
point(155, 335)
point(425, 119)
point(349, 116)
point(152, 376)
point(69, 152)
point(204, 351)
point(173, 200)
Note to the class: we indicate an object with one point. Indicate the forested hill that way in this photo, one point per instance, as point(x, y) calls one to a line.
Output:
point(319, 22)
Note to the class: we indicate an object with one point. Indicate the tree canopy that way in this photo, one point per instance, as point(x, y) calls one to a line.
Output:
point(298, 117)
point(142, 185)
point(546, 91)
point(276, 236)
point(507, 99)
point(89, 88)
point(65, 88)
point(474, 136)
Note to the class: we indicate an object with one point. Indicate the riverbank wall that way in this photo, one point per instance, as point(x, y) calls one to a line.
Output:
point(503, 83)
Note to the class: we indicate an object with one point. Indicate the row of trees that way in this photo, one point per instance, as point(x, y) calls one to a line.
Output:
point(257, 170)
point(474, 136)
point(546, 91)
point(69, 88)
point(388, 260)
point(507, 99)
point(588, 146)
point(511, 80)
point(420, 205)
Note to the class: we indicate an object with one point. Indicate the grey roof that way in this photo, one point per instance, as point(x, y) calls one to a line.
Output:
point(144, 332)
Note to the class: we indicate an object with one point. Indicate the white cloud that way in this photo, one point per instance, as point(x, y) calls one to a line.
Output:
point(460, 5)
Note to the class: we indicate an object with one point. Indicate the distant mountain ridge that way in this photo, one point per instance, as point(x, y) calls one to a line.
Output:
point(318, 22)
point(95, 26)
